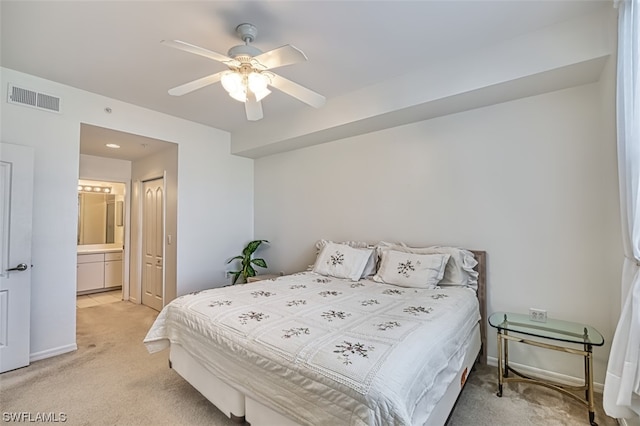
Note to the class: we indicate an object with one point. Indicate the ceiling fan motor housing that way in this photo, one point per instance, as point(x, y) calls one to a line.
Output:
point(247, 33)
point(243, 50)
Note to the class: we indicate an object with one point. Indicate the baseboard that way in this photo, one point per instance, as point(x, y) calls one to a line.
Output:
point(37, 356)
point(548, 375)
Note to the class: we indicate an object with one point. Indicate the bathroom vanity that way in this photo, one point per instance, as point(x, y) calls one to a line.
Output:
point(99, 269)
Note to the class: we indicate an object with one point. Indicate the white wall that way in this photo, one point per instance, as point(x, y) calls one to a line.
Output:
point(533, 182)
point(107, 169)
point(215, 197)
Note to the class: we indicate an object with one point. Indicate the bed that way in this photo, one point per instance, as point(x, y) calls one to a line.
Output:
point(339, 344)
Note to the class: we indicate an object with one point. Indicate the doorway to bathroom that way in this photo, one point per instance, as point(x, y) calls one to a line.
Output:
point(137, 159)
point(100, 240)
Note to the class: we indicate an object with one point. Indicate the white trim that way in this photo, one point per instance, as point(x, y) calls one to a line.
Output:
point(127, 241)
point(137, 298)
point(164, 238)
point(37, 356)
point(548, 375)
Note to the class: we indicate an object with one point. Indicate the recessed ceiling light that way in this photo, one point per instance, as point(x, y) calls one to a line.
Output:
point(113, 145)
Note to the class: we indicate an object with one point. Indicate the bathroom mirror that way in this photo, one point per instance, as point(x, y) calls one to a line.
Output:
point(100, 216)
point(96, 224)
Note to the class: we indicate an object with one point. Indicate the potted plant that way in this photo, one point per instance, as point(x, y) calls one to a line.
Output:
point(247, 262)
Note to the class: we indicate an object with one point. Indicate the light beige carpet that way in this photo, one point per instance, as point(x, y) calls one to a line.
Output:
point(520, 405)
point(112, 380)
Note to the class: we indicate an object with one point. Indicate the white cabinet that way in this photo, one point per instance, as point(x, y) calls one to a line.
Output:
point(97, 271)
point(112, 270)
point(90, 271)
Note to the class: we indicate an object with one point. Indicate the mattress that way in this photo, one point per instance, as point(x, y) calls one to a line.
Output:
point(325, 350)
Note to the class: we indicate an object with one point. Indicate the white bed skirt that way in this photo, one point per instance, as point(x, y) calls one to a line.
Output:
point(238, 407)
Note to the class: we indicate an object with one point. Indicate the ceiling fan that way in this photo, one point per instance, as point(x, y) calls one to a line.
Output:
point(248, 76)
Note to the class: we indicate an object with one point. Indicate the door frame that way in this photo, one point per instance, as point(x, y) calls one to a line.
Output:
point(127, 227)
point(137, 268)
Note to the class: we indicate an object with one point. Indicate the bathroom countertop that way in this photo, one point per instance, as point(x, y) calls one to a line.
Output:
point(97, 249)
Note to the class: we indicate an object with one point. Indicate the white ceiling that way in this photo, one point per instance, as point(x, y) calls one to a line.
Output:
point(93, 141)
point(113, 48)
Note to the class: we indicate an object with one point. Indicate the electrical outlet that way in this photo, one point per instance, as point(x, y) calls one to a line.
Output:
point(539, 315)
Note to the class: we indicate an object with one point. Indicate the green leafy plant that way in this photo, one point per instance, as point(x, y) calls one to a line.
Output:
point(246, 262)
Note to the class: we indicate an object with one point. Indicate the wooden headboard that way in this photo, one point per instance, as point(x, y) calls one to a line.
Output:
point(481, 267)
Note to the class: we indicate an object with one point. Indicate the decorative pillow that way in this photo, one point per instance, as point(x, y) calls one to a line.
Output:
point(342, 261)
point(370, 267)
point(410, 269)
point(459, 270)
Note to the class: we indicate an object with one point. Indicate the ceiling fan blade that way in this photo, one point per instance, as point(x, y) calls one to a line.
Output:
point(284, 55)
point(181, 45)
point(301, 93)
point(253, 108)
point(196, 84)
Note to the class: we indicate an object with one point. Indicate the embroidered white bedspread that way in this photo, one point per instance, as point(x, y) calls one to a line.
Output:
point(326, 350)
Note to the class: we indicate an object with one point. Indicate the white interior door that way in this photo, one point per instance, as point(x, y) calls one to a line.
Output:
point(16, 201)
point(153, 244)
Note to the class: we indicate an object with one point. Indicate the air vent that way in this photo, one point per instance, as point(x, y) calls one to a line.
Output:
point(21, 96)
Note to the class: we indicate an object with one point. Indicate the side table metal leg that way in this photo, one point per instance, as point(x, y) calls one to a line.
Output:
point(500, 372)
point(589, 377)
point(586, 375)
point(506, 354)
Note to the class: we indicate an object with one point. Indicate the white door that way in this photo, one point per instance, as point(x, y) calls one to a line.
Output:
point(153, 244)
point(16, 200)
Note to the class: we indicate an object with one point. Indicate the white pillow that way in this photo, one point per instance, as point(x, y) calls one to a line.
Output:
point(459, 270)
point(370, 267)
point(411, 270)
point(342, 261)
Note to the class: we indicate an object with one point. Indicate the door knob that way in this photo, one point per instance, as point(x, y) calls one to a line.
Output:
point(20, 267)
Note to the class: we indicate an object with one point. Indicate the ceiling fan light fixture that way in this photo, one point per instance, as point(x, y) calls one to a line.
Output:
point(257, 83)
point(239, 95)
point(238, 85)
point(231, 81)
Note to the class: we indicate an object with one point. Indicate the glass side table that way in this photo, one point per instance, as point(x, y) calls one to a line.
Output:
point(564, 334)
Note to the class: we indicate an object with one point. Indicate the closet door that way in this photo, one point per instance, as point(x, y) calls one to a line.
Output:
point(153, 244)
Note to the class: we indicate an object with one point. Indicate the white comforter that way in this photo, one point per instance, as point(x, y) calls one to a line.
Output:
point(326, 350)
